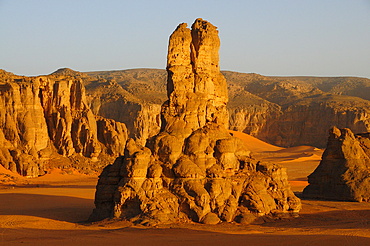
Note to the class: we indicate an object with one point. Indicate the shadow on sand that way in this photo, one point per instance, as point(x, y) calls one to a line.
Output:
point(62, 208)
point(169, 236)
point(314, 228)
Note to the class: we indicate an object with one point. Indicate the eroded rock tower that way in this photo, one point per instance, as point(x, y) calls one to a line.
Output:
point(193, 169)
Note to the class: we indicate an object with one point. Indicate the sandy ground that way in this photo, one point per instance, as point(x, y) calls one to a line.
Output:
point(52, 210)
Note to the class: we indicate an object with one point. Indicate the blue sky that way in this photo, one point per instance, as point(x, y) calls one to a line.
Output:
point(275, 37)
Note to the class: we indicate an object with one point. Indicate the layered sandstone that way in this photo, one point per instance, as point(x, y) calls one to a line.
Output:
point(42, 116)
point(193, 169)
point(344, 171)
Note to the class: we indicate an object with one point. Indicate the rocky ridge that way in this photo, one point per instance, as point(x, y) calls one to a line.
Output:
point(344, 171)
point(47, 117)
point(193, 170)
point(307, 112)
point(284, 111)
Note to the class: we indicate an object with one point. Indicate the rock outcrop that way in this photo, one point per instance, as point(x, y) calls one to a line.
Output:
point(193, 170)
point(344, 171)
point(46, 115)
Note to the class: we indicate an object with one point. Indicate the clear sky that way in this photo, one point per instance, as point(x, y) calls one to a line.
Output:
point(269, 37)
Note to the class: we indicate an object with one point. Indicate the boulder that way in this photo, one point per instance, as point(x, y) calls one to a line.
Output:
point(344, 171)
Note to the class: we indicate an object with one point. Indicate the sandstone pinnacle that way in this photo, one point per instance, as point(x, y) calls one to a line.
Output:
point(196, 88)
point(193, 170)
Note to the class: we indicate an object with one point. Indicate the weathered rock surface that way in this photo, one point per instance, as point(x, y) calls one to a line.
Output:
point(42, 116)
point(23, 132)
point(196, 88)
point(193, 169)
point(344, 171)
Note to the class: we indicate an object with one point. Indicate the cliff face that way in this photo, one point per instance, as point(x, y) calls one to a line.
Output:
point(43, 115)
point(193, 169)
point(71, 124)
point(305, 121)
point(307, 112)
point(23, 132)
point(251, 114)
point(343, 173)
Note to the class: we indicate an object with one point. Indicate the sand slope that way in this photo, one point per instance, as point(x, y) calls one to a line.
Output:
point(300, 161)
point(254, 144)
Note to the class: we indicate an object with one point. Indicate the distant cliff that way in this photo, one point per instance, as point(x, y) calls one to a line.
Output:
point(307, 112)
point(129, 103)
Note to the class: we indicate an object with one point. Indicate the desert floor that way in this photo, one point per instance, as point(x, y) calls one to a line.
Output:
point(52, 210)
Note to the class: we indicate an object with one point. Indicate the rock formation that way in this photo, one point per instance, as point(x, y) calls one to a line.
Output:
point(40, 116)
point(193, 169)
point(344, 171)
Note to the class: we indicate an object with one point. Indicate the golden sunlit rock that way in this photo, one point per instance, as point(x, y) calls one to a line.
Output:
point(194, 169)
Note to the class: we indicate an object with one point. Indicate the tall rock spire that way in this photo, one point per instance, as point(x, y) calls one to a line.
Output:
point(197, 90)
point(193, 169)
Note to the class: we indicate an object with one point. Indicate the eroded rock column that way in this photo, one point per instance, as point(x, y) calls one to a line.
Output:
point(196, 88)
point(193, 170)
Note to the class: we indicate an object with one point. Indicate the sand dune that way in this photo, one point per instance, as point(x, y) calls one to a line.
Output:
point(254, 144)
point(300, 161)
point(278, 154)
point(51, 210)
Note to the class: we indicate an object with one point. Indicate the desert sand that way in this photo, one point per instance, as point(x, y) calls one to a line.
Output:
point(53, 209)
